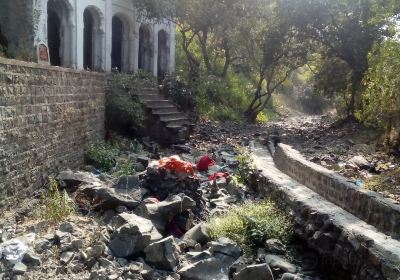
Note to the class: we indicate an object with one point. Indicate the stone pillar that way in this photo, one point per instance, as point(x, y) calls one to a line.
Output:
point(155, 50)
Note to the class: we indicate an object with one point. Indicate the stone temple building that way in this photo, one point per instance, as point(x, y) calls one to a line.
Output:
point(99, 35)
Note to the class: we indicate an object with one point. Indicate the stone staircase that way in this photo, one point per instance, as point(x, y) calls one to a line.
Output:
point(164, 122)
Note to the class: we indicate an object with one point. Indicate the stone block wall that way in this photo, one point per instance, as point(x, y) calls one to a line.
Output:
point(47, 117)
point(366, 205)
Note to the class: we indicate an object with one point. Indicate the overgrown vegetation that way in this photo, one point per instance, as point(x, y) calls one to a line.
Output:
point(102, 155)
point(381, 99)
point(55, 206)
point(251, 224)
point(246, 167)
point(124, 110)
point(135, 81)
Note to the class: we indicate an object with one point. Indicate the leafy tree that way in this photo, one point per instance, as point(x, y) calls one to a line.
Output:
point(273, 51)
point(347, 29)
point(381, 99)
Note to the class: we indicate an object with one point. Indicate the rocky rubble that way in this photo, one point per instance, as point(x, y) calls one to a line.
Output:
point(148, 226)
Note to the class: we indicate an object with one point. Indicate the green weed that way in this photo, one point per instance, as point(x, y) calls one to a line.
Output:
point(55, 206)
point(102, 155)
point(251, 224)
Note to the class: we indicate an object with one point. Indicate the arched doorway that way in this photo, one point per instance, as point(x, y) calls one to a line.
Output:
point(54, 37)
point(92, 40)
point(145, 48)
point(163, 54)
point(3, 43)
point(117, 37)
point(59, 33)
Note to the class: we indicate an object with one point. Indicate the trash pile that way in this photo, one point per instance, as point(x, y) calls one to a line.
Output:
point(146, 226)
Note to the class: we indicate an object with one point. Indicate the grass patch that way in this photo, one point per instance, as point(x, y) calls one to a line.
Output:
point(251, 224)
point(55, 206)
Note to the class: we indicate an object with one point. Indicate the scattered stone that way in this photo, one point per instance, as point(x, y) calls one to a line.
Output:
point(30, 259)
point(163, 212)
point(19, 268)
point(254, 272)
point(274, 246)
point(132, 235)
point(110, 198)
point(163, 254)
point(211, 268)
point(225, 250)
point(290, 276)
point(71, 180)
point(281, 263)
point(361, 162)
point(66, 257)
point(199, 233)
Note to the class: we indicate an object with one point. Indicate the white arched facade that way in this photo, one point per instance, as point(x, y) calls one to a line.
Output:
point(72, 34)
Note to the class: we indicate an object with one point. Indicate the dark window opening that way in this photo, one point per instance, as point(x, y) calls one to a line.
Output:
point(116, 52)
point(88, 23)
point(54, 37)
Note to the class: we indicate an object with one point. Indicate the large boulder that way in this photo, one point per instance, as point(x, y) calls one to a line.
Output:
point(254, 272)
point(163, 254)
point(72, 180)
point(208, 269)
point(225, 250)
point(199, 233)
point(132, 235)
point(278, 262)
point(109, 198)
point(163, 212)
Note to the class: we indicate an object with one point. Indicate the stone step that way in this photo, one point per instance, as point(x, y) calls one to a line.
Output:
point(178, 122)
point(148, 91)
point(165, 109)
point(177, 114)
point(150, 97)
point(157, 104)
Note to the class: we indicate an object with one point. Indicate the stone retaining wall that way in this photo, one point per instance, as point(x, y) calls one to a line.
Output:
point(366, 205)
point(47, 117)
point(341, 240)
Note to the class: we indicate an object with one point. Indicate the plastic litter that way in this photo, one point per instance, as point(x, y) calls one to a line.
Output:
point(14, 250)
point(359, 183)
point(175, 164)
point(204, 163)
point(217, 175)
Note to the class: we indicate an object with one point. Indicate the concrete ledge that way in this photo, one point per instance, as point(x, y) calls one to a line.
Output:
point(369, 206)
point(20, 63)
point(339, 237)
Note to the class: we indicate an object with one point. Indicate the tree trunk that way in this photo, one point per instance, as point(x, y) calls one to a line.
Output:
point(356, 80)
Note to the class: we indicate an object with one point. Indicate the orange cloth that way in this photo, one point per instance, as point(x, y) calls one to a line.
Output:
point(175, 164)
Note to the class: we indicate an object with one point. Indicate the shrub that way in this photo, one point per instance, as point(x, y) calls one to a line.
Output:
point(55, 206)
point(251, 224)
point(127, 168)
point(124, 110)
point(180, 93)
point(137, 80)
point(102, 155)
point(246, 167)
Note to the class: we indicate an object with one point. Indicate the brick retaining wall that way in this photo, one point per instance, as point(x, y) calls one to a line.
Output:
point(369, 206)
point(47, 117)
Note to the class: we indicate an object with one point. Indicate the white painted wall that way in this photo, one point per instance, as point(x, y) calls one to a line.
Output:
point(106, 9)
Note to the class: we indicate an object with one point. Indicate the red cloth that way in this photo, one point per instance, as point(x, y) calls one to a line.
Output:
point(205, 162)
point(175, 164)
point(218, 175)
